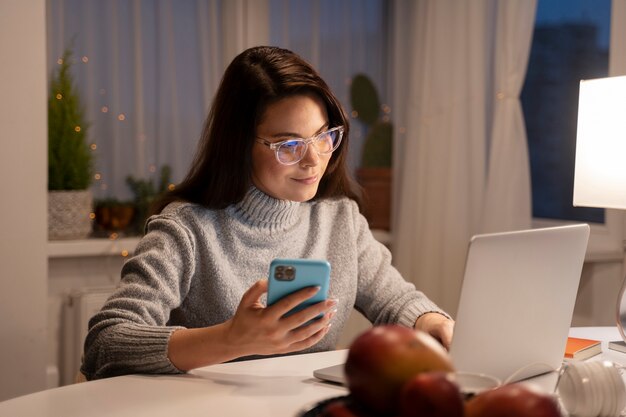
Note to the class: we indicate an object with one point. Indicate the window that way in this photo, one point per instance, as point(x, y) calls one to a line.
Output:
point(570, 43)
point(551, 159)
point(340, 39)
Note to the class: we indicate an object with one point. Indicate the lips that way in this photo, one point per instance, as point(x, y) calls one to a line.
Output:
point(306, 181)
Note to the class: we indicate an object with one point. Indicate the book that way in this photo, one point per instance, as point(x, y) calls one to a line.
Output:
point(618, 345)
point(580, 349)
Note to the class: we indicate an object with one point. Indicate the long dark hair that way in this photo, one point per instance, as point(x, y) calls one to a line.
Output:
point(221, 172)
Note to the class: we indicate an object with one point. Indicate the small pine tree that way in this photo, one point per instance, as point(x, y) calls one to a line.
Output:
point(70, 161)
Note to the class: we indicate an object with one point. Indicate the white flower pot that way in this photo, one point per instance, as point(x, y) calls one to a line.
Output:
point(69, 214)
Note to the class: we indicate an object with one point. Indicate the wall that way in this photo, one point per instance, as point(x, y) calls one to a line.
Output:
point(75, 267)
point(596, 301)
point(23, 166)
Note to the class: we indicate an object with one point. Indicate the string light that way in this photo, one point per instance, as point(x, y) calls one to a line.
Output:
point(141, 137)
point(354, 114)
point(402, 130)
point(386, 109)
point(124, 253)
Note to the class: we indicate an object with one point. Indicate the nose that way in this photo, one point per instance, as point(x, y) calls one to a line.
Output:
point(311, 157)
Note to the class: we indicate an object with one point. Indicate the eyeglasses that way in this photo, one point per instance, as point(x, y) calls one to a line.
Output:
point(291, 151)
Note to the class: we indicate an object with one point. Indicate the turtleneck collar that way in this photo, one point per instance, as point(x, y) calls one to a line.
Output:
point(261, 210)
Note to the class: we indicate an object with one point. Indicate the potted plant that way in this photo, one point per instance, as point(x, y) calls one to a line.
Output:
point(70, 161)
point(374, 174)
point(113, 215)
point(146, 192)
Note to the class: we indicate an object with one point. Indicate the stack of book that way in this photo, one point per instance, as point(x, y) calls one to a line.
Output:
point(619, 346)
point(581, 349)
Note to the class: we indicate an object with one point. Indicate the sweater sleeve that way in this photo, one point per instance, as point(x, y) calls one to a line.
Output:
point(130, 334)
point(383, 295)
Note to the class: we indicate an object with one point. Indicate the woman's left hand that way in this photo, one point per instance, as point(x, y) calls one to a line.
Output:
point(438, 326)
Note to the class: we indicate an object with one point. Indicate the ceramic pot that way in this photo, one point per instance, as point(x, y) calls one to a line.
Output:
point(69, 214)
point(376, 183)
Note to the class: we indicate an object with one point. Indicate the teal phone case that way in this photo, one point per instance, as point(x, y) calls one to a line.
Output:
point(287, 276)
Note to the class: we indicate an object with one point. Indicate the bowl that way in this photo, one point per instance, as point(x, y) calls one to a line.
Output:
point(474, 383)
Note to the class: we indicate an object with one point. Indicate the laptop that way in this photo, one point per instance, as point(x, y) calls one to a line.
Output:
point(516, 303)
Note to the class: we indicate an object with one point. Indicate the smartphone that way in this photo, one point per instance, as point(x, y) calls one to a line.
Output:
point(287, 276)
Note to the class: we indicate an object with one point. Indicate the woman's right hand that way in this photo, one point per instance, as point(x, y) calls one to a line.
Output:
point(259, 330)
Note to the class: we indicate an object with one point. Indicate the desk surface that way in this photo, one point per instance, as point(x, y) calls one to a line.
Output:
point(267, 387)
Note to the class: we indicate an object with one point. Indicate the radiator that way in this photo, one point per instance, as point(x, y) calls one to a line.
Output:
point(80, 306)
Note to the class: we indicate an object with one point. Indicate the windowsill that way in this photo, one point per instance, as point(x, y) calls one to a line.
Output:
point(606, 255)
point(92, 247)
point(112, 247)
point(605, 242)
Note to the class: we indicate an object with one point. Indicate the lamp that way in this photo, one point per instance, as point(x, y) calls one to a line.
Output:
point(600, 173)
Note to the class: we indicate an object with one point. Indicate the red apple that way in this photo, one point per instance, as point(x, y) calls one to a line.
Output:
point(340, 408)
point(382, 359)
point(513, 400)
point(431, 394)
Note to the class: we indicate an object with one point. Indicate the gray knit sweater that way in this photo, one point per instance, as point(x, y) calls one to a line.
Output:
point(194, 264)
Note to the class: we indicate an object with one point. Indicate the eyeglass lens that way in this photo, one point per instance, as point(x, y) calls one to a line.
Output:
point(293, 151)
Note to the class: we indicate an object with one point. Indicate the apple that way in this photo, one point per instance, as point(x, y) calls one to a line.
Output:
point(513, 400)
point(340, 408)
point(382, 359)
point(431, 394)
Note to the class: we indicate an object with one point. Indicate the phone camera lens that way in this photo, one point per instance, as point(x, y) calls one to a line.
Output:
point(280, 268)
point(290, 272)
point(278, 274)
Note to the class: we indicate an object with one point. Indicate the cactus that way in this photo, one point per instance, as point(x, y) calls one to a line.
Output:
point(377, 149)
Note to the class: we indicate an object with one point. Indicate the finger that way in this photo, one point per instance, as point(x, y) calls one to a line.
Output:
point(298, 319)
point(290, 301)
point(309, 341)
point(255, 292)
point(311, 327)
point(446, 337)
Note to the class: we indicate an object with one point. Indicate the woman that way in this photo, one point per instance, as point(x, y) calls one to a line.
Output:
point(191, 294)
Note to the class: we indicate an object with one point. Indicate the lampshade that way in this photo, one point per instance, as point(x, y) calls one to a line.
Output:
point(600, 174)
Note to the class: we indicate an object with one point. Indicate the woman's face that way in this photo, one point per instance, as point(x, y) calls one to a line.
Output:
point(299, 116)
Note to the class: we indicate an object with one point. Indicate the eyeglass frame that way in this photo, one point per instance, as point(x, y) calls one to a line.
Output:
point(276, 145)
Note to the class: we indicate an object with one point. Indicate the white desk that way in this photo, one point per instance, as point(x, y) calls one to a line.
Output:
point(267, 387)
